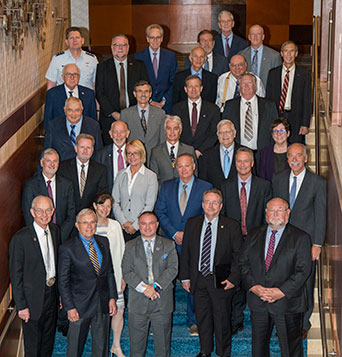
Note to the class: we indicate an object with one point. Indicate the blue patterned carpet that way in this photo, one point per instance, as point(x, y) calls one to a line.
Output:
point(182, 343)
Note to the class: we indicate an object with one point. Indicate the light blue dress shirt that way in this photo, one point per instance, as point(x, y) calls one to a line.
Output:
point(77, 127)
point(277, 238)
point(85, 242)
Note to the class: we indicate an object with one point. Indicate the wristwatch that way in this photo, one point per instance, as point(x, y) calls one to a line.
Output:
point(156, 287)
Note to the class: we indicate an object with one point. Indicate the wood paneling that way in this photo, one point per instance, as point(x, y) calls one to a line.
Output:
point(301, 12)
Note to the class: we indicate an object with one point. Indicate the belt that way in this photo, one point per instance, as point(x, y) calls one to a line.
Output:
point(50, 282)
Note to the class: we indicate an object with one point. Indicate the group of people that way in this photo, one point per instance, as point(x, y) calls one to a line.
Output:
point(202, 179)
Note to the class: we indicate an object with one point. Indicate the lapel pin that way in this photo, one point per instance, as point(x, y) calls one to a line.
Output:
point(82, 93)
point(221, 226)
point(157, 248)
point(34, 238)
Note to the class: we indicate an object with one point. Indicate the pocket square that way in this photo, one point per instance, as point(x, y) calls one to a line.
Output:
point(164, 256)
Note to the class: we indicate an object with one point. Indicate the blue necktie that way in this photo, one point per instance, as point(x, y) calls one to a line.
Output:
point(293, 192)
point(226, 163)
point(255, 63)
point(237, 91)
point(73, 134)
point(206, 65)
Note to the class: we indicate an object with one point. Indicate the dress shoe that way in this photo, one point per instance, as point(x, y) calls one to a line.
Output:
point(304, 334)
point(63, 330)
point(236, 329)
point(193, 330)
point(203, 355)
point(117, 351)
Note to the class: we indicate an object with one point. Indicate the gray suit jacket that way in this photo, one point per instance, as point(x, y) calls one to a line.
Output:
point(270, 59)
point(128, 207)
point(160, 161)
point(155, 127)
point(165, 269)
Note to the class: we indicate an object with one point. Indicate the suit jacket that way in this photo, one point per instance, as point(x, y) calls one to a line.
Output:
point(155, 127)
point(228, 243)
point(57, 136)
point(55, 100)
point(288, 271)
point(96, 181)
point(209, 82)
point(27, 269)
point(210, 168)
point(205, 136)
point(220, 64)
point(267, 112)
point(259, 195)
point(309, 210)
point(79, 286)
point(167, 206)
point(162, 85)
point(164, 267)
point(64, 201)
point(161, 164)
point(300, 113)
point(270, 59)
point(104, 156)
point(238, 44)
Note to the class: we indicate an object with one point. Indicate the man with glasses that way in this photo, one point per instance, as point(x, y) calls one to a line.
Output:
point(56, 96)
point(161, 65)
point(115, 80)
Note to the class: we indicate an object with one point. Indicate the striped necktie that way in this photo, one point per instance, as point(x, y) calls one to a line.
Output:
point(283, 95)
point(73, 134)
point(82, 180)
point(149, 256)
point(206, 250)
point(270, 250)
point(93, 257)
point(248, 134)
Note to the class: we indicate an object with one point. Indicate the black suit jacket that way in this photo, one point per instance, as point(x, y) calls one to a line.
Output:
point(205, 135)
point(259, 195)
point(220, 64)
point(228, 242)
point(238, 44)
point(209, 82)
point(210, 168)
point(79, 285)
point(104, 156)
point(64, 201)
point(27, 269)
point(96, 181)
point(267, 112)
point(289, 269)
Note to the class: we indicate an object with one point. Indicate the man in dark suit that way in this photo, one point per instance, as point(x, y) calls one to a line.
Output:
point(179, 199)
point(199, 117)
point(217, 164)
point(62, 131)
point(227, 43)
point(87, 286)
point(33, 266)
point(112, 156)
point(275, 262)
point(306, 193)
point(161, 65)
point(289, 86)
point(164, 156)
point(55, 97)
point(149, 266)
point(209, 80)
point(215, 62)
point(209, 271)
point(87, 176)
point(251, 115)
point(115, 80)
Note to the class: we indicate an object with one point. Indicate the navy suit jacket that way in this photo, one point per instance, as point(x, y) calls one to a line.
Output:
point(162, 85)
point(55, 100)
point(220, 64)
point(167, 206)
point(238, 44)
point(57, 136)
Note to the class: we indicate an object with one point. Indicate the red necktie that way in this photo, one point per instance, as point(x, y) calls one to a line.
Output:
point(284, 92)
point(120, 160)
point(227, 47)
point(194, 119)
point(270, 250)
point(243, 206)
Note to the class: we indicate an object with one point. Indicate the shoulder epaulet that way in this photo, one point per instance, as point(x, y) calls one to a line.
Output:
point(90, 54)
point(60, 53)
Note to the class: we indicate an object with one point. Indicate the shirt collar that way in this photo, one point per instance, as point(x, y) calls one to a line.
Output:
point(206, 220)
point(248, 181)
point(39, 230)
point(290, 69)
point(198, 101)
point(250, 100)
point(152, 240)
point(79, 163)
point(188, 183)
point(85, 240)
point(199, 73)
point(230, 149)
point(141, 170)
point(300, 176)
point(52, 179)
point(152, 52)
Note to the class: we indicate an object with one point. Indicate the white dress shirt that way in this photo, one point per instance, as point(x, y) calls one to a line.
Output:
point(175, 149)
point(74, 92)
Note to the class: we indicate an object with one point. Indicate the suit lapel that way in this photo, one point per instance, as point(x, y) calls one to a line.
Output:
point(157, 255)
point(36, 245)
point(220, 240)
point(252, 194)
point(261, 110)
point(201, 119)
point(74, 176)
point(104, 255)
point(279, 248)
point(261, 246)
point(82, 254)
point(54, 241)
point(304, 186)
point(138, 121)
point(150, 123)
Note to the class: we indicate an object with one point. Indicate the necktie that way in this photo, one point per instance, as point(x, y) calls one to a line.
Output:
point(270, 250)
point(149, 256)
point(82, 180)
point(255, 63)
point(248, 134)
point(155, 64)
point(48, 267)
point(227, 48)
point(70, 92)
point(206, 65)
point(237, 90)
point(194, 119)
point(284, 92)
point(293, 192)
point(172, 157)
point(73, 134)
point(226, 163)
point(49, 188)
point(243, 207)
point(183, 200)
point(93, 257)
point(143, 121)
point(120, 160)
point(206, 249)
point(122, 87)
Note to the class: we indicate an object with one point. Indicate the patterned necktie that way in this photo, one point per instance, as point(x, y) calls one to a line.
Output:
point(73, 134)
point(93, 257)
point(149, 256)
point(183, 200)
point(194, 119)
point(248, 134)
point(122, 87)
point(82, 180)
point(237, 90)
point(270, 250)
point(255, 63)
point(120, 160)
point(71, 92)
point(284, 92)
point(243, 207)
point(293, 192)
point(155, 64)
point(227, 48)
point(172, 157)
point(49, 188)
point(143, 121)
point(226, 163)
point(206, 249)
point(206, 65)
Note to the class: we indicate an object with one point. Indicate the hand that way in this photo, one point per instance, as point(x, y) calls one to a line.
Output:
point(123, 285)
point(157, 104)
point(198, 153)
point(303, 130)
point(179, 238)
point(272, 294)
point(315, 252)
point(228, 284)
point(112, 307)
point(24, 314)
point(258, 290)
point(128, 226)
point(150, 292)
point(60, 303)
point(116, 115)
point(73, 315)
point(186, 285)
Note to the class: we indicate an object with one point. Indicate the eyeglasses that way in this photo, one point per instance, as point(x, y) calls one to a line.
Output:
point(281, 131)
point(78, 110)
point(140, 91)
point(117, 45)
point(236, 65)
point(68, 74)
point(214, 203)
point(225, 132)
point(86, 223)
point(40, 212)
point(155, 38)
point(132, 153)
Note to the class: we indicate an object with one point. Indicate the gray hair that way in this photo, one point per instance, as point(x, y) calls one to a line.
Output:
point(224, 12)
point(37, 198)
point(154, 26)
point(175, 118)
point(48, 151)
point(223, 122)
point(85, 212)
